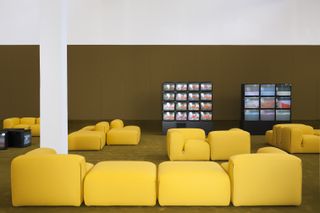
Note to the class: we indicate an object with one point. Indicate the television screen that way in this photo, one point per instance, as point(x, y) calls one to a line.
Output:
point(181, 116)
point(181, 87)
point(181, 106)
point(206, 116)
point(206, 86)
point(205, 96)
point(193, 96)
point(251, 102)
point(168, 106)
point(267, 102)
point(193, 106)
point(283, 103)
point(168, 116)
point(168, 96)
point(3, 139)
point(251, 115)
point(193, 86)
point(267, 115)
point(181, 96)
point(206, 106)
point(168, 86)
point(268, 89)
point(251, 90)
point(193, 116)
point(283, 89)
point(283, 115)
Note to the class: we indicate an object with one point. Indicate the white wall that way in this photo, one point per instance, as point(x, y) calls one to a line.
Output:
point(170, 22)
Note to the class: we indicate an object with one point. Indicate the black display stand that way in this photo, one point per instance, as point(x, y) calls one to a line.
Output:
point(19, 137)
point(187, 105)
point(264, 105)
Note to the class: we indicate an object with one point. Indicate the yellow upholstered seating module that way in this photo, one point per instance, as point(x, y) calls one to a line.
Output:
point(265, 179)
point(296, 138)
point(123, 135)
point(224, 144)
point(43, 178)
point(23, 123)
point(270, 149)
point(317, 132)
point(187, 183)
point(89, 137)
point(121, 183)
point(187, 144)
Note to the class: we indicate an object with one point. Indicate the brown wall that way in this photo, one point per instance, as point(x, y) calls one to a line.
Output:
point(19, 81)
point(125, 81)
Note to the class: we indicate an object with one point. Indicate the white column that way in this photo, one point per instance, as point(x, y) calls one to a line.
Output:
point(53, 75)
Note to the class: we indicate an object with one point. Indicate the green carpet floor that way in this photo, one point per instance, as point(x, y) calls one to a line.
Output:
point(152, 148)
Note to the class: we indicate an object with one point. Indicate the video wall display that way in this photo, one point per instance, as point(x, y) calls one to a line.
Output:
point(266, 102)
point(187, 101)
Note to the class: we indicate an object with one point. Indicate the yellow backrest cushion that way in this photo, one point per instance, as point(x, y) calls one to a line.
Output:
point(10, 122)
point(28, 120)
point(190, 133)
point(117, 123)
point(102, 126)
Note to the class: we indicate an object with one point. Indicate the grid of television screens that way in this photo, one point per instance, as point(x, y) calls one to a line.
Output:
point(184, 101)
point(267, 102)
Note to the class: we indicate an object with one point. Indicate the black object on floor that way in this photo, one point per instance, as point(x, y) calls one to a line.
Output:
point(19, 137)
point(3, 139)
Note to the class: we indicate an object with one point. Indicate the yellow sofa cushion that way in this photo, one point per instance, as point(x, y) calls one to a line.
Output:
point(86, 140)
point(268, 137)
point(42, 151)
point(265, 179)
point(117, 123)
point(22, 126)
point(193, 184)
point(129, 135)
point(37, 120)
point(119, 183)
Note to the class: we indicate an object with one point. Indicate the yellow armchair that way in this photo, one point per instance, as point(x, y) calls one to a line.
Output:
point(43, 178)
point(187, 144)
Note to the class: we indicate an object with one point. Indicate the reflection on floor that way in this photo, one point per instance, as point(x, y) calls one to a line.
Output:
point(152, 148)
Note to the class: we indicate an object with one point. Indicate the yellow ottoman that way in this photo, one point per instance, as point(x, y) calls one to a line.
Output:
point(128, 135)
point(121, 183)
point(86, 140)
point(191, 183)
point(265, 179)
point(224, 144)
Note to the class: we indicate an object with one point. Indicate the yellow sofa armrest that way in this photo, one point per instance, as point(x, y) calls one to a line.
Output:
point(291, 139)
point(10, 122)
point(175, 145)
point(102, 126)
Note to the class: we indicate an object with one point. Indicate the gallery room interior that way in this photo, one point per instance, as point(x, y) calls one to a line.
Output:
point(149, 106)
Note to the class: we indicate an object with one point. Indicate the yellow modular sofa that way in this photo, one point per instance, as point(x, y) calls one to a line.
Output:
point(269, 177)
point(24, 123)
point(43, 178)
point(224, 144)
point(118, 183)
point(89, 137)
point(123, 135)
point(294, 138)
point(187, 144)
point(193, 183)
